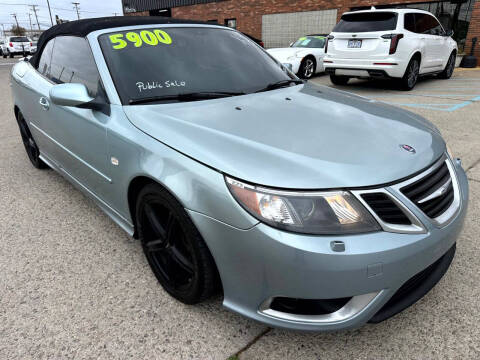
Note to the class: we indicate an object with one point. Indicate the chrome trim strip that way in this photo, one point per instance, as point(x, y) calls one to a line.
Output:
point(449, 214)
point(125, 224)
point(106, 178)
point(351, 309)
point(416, 226)
point(439, 192)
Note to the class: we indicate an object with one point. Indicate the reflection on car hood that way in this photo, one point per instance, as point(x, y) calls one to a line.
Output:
point(284, 53)
point(303, 137)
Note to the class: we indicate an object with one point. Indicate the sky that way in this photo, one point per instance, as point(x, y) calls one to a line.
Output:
point(63, 8)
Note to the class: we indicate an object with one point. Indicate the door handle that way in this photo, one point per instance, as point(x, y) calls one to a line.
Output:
point(44, 103)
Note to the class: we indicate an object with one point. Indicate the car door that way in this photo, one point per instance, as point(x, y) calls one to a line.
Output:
point(425, 25)
point(78, 136)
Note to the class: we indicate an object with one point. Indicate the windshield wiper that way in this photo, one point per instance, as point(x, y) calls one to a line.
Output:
point(281, 84)
point(186, 97)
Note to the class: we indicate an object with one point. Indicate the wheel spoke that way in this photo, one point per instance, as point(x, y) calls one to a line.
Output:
point(180, 260)
point(154, 222)
point(156, 245)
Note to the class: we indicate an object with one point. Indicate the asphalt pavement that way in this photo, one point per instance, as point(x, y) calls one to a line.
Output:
point(73, 285)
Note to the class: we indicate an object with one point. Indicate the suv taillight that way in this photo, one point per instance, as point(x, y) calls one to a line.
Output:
point(31, 44)
point(10, 44)
point(395, 38)
point(329, 37)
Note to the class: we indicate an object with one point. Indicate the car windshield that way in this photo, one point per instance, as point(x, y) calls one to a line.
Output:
point(19, 39)
point(310, 42)
point(161, 63)
point(366, 22)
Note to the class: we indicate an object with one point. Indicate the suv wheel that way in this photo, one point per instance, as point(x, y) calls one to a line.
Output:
point(30, 145)
point(176, 252)
point(410, 78)
point(449, 68)
point(339, 80)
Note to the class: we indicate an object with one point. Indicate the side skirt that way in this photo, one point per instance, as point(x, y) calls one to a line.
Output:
point(113, 214)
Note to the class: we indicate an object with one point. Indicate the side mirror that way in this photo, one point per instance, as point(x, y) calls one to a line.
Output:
point(290, 44)
point(449, 33)
point(70, 95)
point(76, 95)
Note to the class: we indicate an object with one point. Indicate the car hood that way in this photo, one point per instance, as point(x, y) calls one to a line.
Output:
point(284, 53)
point(301, 137)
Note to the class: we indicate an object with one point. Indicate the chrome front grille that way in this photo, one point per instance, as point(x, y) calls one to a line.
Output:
point(435, 192)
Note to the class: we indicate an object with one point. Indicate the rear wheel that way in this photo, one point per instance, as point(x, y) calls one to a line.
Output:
point(449, 68)
point(410, 78)
point(307, 68)
point(10, 55)
point(176, 252)
point(339, 80)
point(30, 146)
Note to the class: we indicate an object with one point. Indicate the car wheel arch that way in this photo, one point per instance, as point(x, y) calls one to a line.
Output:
point(135, 187)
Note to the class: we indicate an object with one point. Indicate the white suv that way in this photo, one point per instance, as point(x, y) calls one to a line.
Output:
point(16, 45)
point(389, 43)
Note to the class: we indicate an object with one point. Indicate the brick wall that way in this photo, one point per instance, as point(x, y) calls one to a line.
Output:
point(474, 30)
point(249, 12)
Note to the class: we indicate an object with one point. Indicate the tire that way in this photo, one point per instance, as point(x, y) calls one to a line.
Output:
point(410, 78)
point(339, 80)
point(10, 55)
point(449, 68)
point(175, 250)
point(307, 68)
point(31, 147)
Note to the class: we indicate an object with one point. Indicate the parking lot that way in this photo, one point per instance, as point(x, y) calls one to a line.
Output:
point(74, 285)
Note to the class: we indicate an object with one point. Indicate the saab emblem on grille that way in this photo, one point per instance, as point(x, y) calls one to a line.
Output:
point(408, 148)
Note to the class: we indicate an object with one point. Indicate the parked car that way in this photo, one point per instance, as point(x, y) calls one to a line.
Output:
point(401, 44)
point(304, 56)
point(2, 47)
point(16, 45)
point(237, 176)
point(33, 47)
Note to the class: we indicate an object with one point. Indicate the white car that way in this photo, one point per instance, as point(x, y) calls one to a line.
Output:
point(16, 45)
point(389, 43)
point(304, 57)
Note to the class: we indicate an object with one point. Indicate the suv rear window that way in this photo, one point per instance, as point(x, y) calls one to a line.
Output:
point(19, 39)
point(366, 22)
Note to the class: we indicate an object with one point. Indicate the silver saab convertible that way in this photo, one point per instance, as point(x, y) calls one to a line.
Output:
point(307, 207)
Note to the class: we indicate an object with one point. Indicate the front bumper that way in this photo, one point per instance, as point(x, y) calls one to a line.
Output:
point(366, 68)
point(261, 263)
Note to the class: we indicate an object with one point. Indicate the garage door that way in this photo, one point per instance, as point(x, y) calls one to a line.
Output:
point(279, 30)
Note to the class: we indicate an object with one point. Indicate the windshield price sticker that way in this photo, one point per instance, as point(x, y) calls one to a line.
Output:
point(138, 39)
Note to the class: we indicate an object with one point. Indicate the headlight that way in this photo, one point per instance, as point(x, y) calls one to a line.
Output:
point(326, 213)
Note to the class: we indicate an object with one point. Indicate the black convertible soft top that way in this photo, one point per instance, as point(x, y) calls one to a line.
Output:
point(85, 26)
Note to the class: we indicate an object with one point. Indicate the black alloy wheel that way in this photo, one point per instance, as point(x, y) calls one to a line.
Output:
point(449, 68)
point(31, 147)
point(177, 254)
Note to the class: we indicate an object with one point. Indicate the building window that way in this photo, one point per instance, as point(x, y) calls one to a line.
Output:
point(453, 15)
point(231, 23)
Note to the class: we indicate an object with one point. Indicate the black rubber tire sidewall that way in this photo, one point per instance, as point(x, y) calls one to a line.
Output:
point(206, 279)
point(444, 74)
point(301, 71)
point(36, 161)
point(339, 80)
point(404, 81)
